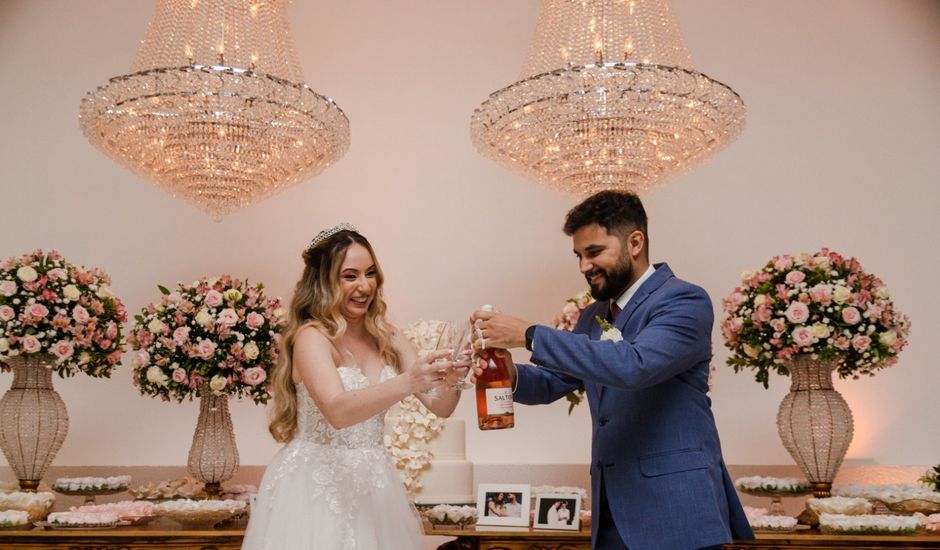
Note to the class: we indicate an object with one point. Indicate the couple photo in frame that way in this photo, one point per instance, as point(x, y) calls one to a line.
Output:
point(558, 511)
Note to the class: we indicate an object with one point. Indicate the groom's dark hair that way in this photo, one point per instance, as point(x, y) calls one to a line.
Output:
point(619, 212)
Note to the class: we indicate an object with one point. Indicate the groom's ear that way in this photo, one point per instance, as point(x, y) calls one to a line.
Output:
point(636, 244)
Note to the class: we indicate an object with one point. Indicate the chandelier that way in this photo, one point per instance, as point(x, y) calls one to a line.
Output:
point(608, 99)
point(214, 110)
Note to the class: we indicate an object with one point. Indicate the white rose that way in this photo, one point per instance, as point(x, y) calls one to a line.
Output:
point(203, 317)
point(27, 273)
point(104, 292)
point(760, 300)
point(821, 330)
point(156, 326)
point(155, 375)
point(4, 345)
point(840, 294)
point(217, 383)
point(882, 292)
point(71, 292)
point(233, 295)
point(251, 350)
point(746, 275)
point(887, 338)
point(280, 312)
point(612, 334)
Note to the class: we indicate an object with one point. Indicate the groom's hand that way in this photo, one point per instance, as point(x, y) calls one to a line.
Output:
point(493, 329)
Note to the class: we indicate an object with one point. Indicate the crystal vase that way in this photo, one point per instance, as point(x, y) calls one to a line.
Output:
point(213, 458)
point(815, 422)
point(33, 419)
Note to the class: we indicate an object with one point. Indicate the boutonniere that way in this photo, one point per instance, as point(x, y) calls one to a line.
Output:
point(610, 331)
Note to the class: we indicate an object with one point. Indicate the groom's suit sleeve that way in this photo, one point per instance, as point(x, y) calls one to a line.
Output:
point(677, 336)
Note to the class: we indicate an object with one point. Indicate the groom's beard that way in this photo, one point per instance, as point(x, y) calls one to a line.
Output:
point(613, 282)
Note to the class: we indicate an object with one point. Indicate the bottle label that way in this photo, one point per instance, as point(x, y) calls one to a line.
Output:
point(498, 401)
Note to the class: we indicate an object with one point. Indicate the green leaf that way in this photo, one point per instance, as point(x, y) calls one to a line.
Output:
point(164, 290)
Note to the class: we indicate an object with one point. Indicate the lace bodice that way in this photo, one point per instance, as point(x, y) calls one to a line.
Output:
point(313, 427)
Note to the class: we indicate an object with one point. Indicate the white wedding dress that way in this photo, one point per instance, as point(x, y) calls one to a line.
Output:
point(332, 489)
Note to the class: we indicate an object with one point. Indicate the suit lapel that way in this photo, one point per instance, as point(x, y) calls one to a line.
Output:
point(656, 280)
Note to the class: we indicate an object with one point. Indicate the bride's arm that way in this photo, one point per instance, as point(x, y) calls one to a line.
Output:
point(445, 401)
point(313, 361)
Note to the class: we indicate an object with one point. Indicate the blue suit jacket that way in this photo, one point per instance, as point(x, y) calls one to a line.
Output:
point(654, 437)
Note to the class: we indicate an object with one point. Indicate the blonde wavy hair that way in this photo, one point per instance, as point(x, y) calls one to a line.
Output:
point(317, 302)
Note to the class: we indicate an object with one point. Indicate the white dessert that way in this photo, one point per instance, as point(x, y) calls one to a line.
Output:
point(12, 518)
point(850, 506)
point(91, 483)
point(83, 518)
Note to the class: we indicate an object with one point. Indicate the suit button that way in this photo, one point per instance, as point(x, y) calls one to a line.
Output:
point(602, 421)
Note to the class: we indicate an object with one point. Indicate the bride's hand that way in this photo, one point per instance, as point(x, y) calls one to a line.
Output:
point(429, 371)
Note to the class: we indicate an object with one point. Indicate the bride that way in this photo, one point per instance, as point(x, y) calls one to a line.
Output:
point(332, 486)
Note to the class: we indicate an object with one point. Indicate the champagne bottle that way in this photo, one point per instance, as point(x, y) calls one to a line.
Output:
point(494, 391)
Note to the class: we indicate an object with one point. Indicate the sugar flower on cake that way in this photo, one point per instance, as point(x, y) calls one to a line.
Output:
point(821, 304)
point(53, 307)
point(219, 334)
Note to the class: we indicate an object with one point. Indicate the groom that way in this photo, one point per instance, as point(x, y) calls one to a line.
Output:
point(657, 476)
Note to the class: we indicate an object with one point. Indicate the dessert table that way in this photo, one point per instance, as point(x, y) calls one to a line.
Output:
point(164, 533)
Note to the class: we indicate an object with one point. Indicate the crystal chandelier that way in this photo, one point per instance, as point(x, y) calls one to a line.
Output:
point(608, 99)
point(214, 110)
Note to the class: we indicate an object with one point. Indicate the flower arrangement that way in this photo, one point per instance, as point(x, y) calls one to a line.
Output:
point(571, 312)
point(48, 305)
point(221, 332)
point(445, 514)
point(414, 426)
point(820, 304)
point(931, 478)
point(567, 319)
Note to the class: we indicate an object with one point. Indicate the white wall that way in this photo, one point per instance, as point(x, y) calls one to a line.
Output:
point(840, 151)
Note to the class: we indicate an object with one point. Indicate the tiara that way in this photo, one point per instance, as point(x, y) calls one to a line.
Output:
point(329, 232)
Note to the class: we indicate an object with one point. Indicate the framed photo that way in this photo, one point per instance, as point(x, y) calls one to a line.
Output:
point(558, 511)
point(503, 504)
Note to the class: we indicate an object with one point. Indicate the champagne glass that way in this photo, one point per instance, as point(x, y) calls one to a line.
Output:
point(463, 355)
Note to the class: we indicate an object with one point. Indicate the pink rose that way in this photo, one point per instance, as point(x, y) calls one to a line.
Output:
point(798, 312)
point(31, 344)
point(63, 349)
point(80, 314)
point(851, 315)
point(784, 263)
point(38, 311)
point(181, 335)
point(173, 298)
point(736, 324)
point(179, 376)
point(7, 288)
point(256, 320)
point(141, 359)
point(254, 376)
point(842, 343)
point(778, 324)
point(795, 277)
point(213, 298)
point(112, 330)
point(227, 317)
point(569, 310)
point(803, 337)
point(762, 314)
point(205, 349)
point(6, 313)
point(861, 342)
point(738, 298)
point(821, 293)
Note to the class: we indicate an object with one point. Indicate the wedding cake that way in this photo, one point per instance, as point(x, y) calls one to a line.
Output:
point(430, 455)
point(448, 479)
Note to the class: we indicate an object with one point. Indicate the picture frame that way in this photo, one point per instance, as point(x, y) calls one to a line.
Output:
point(558, 511)
point(503, 504)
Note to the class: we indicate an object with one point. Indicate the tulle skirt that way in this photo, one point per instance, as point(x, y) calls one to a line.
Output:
point(319, 497)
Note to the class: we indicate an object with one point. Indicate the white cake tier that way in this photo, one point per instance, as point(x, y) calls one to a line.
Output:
point(446, 482)
point(450, 443)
